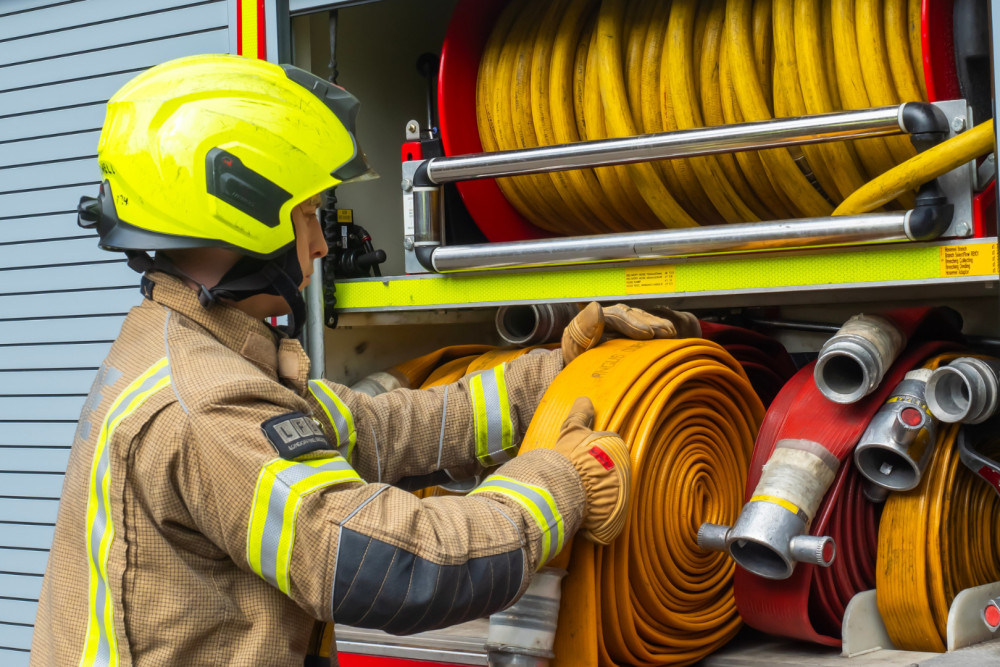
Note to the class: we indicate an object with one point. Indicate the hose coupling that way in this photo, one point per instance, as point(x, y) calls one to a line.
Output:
point(895, 448)
point(967, 390)
point(818, 550)
point(379, 382)
point(854, 360)
point(771, 533)
point(768, 539)
point(991, 614)
point(534, 324)
point(523, 635)
point(874, 493)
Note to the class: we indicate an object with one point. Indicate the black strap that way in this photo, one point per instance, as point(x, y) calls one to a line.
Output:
point(280, 276)
point(146, 287)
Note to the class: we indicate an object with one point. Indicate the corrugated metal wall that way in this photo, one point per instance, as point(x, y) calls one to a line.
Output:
point(61, 298)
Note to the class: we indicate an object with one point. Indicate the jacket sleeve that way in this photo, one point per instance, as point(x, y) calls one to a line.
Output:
point(364, 554)
point(475, 423)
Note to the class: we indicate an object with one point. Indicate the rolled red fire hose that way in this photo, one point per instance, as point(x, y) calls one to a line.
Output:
point(810, 604)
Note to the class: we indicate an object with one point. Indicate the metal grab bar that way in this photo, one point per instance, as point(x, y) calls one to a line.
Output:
point(867, 228)
point(911, 118)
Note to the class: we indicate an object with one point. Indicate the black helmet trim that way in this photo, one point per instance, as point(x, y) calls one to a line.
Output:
point(356, 169)
point(345, 107)
point(243, 188)
point(116, 234)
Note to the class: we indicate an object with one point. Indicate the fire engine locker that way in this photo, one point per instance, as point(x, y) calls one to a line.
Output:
point(63, 299)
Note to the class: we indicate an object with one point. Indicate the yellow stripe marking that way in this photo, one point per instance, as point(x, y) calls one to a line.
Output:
point(281, 487)
point(774, 500)
point(100, 644)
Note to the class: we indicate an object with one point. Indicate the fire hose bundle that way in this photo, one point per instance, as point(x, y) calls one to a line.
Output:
point(690, 411)
point(689, 414)
point(932, 542)
point(944, 536)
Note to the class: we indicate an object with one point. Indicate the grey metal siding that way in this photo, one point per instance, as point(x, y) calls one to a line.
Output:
point(61, 298)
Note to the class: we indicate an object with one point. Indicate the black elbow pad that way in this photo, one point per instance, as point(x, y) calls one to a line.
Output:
point(381, 586)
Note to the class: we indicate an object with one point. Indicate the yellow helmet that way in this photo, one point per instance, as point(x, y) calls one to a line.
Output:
point(217, 150)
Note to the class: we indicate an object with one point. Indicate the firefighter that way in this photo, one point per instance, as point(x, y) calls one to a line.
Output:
point(217, 503)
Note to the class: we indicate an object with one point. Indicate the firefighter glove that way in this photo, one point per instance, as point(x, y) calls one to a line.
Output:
point(587, 328)
point(605, 468)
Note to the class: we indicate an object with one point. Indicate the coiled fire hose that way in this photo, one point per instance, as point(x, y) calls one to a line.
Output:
point(689, 415)
point(810, 603)
point(935, 541)
point(416, 371)
point(764, 360)
point(573, 70)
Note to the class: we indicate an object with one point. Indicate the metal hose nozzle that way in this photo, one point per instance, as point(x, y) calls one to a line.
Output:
point(895, 448)
point(967, 390)
point(534, 324)
point(523, 635)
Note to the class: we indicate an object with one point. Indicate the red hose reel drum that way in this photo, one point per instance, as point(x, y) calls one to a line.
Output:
point(461, 52)
point(466, 37)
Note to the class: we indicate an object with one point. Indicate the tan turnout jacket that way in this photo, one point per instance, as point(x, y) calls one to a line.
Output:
point(209, 515)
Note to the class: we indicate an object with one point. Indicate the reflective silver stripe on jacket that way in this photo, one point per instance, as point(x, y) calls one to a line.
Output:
point(339, 416)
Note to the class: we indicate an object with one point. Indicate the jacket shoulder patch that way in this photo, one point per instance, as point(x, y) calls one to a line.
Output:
point(294, 434)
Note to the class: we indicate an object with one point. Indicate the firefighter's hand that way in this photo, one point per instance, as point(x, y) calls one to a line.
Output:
point(605, 468)
point(587, 328)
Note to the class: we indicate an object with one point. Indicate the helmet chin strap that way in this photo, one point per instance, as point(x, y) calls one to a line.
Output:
point(280, 276)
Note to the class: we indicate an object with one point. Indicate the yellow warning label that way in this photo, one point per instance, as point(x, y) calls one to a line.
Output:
point(649, 280)
point(968, 260)
point(345, 215)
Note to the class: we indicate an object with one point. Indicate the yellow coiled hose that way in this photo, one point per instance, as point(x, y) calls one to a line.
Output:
point(933, 542)
point(689, 416)
point(920, 169)
point(416, 372)
point(573, 70)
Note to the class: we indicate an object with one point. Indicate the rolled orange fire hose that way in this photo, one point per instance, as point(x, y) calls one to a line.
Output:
point(416, 371)
point(935, 541)
point(689, 415)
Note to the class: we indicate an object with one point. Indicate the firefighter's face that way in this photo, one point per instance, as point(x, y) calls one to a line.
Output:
point(309, 241)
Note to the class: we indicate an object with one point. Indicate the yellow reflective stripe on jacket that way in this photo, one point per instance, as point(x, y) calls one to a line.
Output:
point(100, 645)
point(339, 416)
point(494, 430)
point(540, 505)
point(281, 486)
